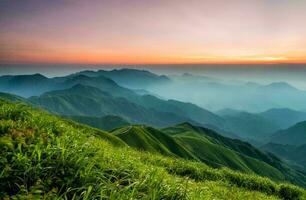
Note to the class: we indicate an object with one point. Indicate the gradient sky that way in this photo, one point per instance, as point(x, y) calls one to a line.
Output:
point(156, 31)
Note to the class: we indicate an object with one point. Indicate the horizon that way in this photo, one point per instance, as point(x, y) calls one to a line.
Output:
point(152, 32)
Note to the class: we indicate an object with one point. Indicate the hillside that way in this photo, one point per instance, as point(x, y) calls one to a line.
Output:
point(294, 154)
point(107, 122)
point(152, 140)
point(44, 156)
point(294, 135)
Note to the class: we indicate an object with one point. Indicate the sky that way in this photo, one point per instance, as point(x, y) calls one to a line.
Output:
point(152, 31)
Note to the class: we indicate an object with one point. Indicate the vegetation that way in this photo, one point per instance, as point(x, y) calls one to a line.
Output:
point(295, 155)
point(107, 122)
point(43, 156)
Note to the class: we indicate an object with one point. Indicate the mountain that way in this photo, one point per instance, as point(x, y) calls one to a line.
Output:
point(284, 117)
point(246, 125)
point(26, 85)
point(90, 101)
point(107, 122)
point(170, 108)
point(279, 86)
point(220, 94)
point(294, 135)
point(44, 156)
point(130, 78)
point(294, 154)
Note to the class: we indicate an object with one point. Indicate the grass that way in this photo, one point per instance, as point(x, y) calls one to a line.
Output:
point(43, 156)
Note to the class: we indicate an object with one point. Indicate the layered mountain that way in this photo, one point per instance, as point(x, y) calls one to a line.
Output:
point(248, 125)
point(130, 78)
point(214, 94)
point(284, 117)
point(294, 135)
point(90, 101)
point(27, 85)
point(107, 122)
point(260, 126)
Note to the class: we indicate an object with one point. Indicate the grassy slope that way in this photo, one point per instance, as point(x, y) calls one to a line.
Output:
point(215, 149)
point(107, 122)
point(294, 154)
point(190, 145)
point(152, 140)
point(45, 156)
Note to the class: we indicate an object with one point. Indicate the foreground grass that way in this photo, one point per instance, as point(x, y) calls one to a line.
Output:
point(43, 156)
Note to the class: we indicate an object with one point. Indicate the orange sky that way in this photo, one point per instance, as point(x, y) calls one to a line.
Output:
point(157, 32)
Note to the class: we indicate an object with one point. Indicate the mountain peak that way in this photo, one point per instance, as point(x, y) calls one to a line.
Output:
point(280, 85)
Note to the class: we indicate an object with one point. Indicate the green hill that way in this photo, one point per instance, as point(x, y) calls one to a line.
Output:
point(107, 122)
point(218, 151)
point(152, 140)
point(294, 154)
point(46, 157)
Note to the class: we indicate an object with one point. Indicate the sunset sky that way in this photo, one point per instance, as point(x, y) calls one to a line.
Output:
point(156, 31)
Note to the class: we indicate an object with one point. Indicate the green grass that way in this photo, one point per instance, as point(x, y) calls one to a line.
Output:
point(108, 122)
point(43, 156)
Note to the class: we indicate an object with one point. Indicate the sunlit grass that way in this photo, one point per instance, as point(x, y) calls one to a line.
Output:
point(43, 156)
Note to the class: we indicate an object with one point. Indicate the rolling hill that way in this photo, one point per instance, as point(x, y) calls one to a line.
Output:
point(44, 156)
point(152, 140)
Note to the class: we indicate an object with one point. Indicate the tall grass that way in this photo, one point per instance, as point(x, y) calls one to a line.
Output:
point(43, 156)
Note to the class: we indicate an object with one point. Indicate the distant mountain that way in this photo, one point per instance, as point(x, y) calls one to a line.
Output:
point(130, 78)
point(174, 109)
point(294, 135)
point(26, 85)
point(284, 117)
point(91, 101)
point(294, 154)
point(279, 86)
point(248, 125)
point(107, 122)
point(220, 94)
